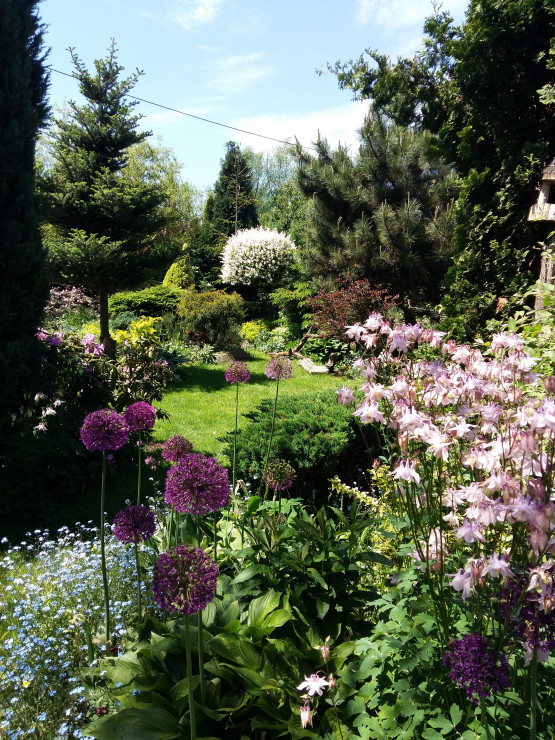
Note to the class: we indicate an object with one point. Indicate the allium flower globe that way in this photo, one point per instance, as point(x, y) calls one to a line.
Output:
point(279, 368)
point(134, 524)
point(104, 430)
point(279, 475)
point(175, 448)
point(237, 372)
point(184, 580)
point(477, 668)
point(140, 416)
point(197, 485)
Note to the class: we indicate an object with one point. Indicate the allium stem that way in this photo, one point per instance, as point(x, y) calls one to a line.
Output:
point(107, 626)
point(201, 659)
point(533, 693)
point(235, 435)
point(484, 717)
point(140, 470)
point(139, 604)
point(271, 437)
point(192, 716)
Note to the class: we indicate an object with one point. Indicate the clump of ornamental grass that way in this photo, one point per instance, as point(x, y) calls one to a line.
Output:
point(50, 609)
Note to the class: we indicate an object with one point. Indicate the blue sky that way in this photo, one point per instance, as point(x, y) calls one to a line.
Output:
point(246, 63)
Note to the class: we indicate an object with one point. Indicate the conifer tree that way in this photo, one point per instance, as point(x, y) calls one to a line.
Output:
point(385, 215)
point(234, 204)
point(101, 223)
point(23, 284)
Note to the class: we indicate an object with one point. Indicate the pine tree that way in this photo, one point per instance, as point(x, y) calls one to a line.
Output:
point(384, 215)
point(234, 204)
point(23, 283)
point(101, 223)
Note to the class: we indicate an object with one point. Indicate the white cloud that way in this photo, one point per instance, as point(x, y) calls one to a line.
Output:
point(338, 125)
point(193, 13)
point(236, 73)
point(394, 14)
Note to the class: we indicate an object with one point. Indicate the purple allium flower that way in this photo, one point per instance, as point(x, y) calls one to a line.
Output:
point(134, 524)
point(197, 485)
point(237, 372)
point(175, 448)
point(279, 475)
point(279, 368)
point(184, 580)
point(476, 667)
point(139, 416)
point(104, 430)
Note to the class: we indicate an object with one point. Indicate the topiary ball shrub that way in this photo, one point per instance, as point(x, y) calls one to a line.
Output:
point(257, 256)
point(313, 433)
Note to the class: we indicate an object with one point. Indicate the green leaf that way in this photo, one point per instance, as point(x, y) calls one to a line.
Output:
point(317, 577)
point(259, 608)
point(430, 734)
point(456, 714)
point(248, 573)
point(277, 618)
point(322, 608)
point(254, 503)
point(442, 723)
point(139, 724)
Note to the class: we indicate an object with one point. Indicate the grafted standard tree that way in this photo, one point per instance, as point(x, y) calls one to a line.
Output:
point(101, 223)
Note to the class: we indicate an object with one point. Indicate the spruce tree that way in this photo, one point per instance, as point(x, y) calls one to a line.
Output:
point(234, 204)
point(385, 215)
point(101, 223)
point(23, 284)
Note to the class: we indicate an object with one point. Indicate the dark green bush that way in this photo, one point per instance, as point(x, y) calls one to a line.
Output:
point(155, 301)
point(315, 434)
point(212, 317)
point(123, 320)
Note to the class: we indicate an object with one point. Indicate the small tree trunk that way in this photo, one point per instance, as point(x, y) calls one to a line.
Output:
point(107, 340)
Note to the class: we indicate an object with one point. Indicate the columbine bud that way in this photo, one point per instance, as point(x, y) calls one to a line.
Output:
point(332, 681)
point(306, 715)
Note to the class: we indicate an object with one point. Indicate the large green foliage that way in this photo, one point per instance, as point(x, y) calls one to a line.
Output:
point(212, 316)
point(385, 214)
point(23, 286)
point(484, 87)
point(101, 218)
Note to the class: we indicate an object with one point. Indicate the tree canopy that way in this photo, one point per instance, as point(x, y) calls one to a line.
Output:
point(101, 218)
point(485, 88)
point(234, 205)
point(385, 214)
point(23, 280)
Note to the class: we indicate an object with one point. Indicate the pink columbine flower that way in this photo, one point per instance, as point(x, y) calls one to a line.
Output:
point(345, 396)
point(355, 332)
point(407, 472)
point(306, 715)
point(369, 412)
point(497, 566)
point(314, 684)
point(470, 531)
point(542, 652)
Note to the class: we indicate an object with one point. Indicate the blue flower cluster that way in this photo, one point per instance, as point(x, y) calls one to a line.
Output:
point(50, 597)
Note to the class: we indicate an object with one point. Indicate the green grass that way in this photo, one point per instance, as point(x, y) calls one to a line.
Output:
point(202, 407)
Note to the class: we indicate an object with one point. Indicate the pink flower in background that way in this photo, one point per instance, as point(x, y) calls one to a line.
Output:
point(345, 396)
point(407, 472)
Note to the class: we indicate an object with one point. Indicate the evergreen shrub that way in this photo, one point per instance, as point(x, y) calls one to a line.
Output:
point(154, 301)
point(212, 316)
point(180, 273)
point(313, 433)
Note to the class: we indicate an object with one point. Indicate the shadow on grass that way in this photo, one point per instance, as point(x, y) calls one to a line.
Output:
point(209, 378)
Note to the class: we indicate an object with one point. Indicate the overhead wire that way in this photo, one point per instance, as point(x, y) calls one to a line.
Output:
point(198, 118)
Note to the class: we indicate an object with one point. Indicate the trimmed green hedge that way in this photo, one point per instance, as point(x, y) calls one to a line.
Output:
point(155, 301)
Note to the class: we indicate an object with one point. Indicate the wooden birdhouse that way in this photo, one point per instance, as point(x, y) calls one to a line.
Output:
point(544, 210)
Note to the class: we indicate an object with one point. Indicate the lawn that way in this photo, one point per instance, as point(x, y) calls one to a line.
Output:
point(202, 407)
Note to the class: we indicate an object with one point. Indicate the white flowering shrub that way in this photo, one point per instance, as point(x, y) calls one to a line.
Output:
point(257, 255)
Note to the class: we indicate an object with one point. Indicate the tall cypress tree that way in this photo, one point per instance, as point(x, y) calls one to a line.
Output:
point(101, 223)
point(234, 199)
point(23, 284)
